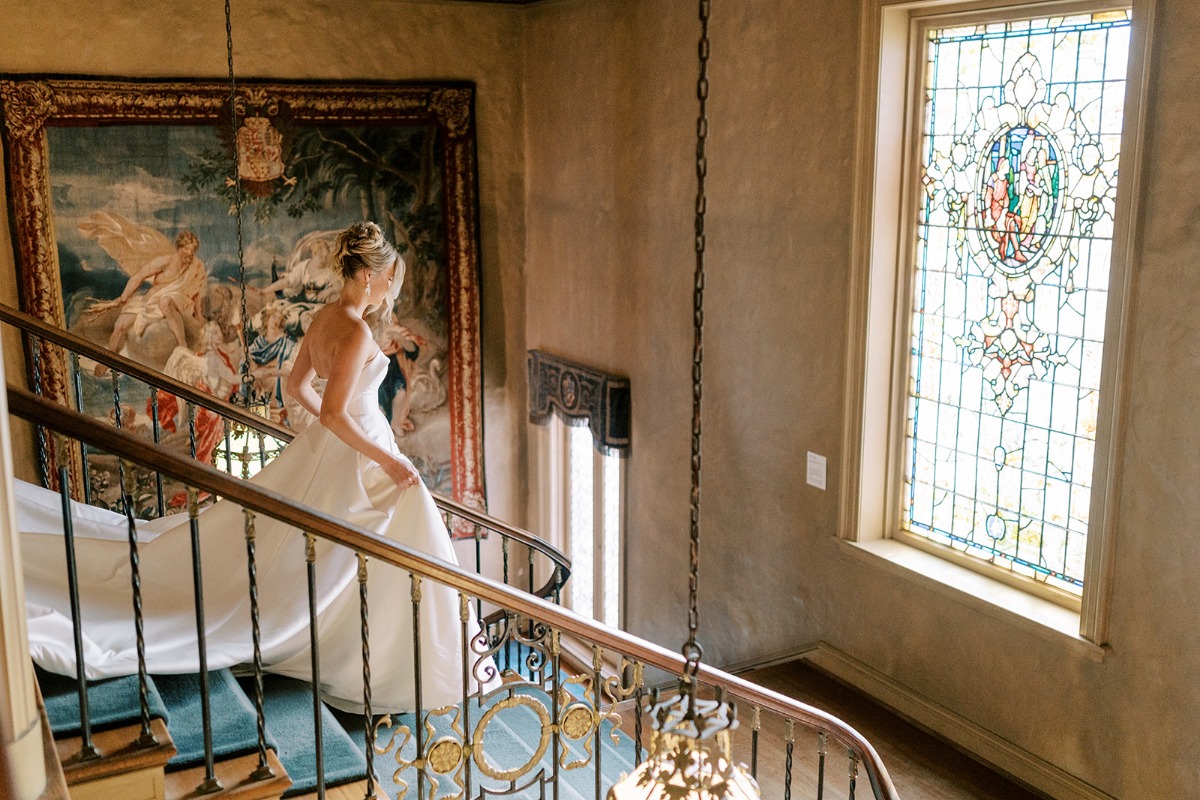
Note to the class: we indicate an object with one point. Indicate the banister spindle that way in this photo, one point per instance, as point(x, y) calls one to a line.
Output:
point(755, 727)
point(555, 708)
point(368, 724)
point(597, 682)
point(464, 619)
point(160, 503)
point(419, 713)
point(145, 736)
point(478, 564)
point(43, 445)
point(191, 423)
point(310, 557)
point(638, 694)
point(787, 772)
point(822, 748)
point(84, 450)
point(87, 751)
point(853, 772)
point(263, 770)
point(210, 783)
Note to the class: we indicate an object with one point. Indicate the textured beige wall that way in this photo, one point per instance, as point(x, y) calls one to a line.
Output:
point(323, 40)
point(611, 113)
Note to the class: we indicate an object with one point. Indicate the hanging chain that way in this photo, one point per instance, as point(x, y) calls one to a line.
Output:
point(237, 206)
point(692, 650)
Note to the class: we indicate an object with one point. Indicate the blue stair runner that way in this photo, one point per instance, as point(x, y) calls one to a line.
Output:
point(287, 707)
point(111, 703)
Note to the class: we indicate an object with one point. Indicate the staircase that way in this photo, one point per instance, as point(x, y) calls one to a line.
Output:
point(544, 730)
point(175, 768)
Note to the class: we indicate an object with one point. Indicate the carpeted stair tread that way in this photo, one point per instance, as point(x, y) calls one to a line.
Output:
point(288, 707)
point(112, 703)
point(234, 723)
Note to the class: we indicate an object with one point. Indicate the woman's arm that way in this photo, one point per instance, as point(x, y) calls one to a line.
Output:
point(299, 382)
point(349, 356)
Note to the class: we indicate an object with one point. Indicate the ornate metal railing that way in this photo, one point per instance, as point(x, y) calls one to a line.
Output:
point(576, 733)
point(246, 441)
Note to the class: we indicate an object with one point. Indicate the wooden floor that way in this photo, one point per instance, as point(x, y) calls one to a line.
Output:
point(922, 766)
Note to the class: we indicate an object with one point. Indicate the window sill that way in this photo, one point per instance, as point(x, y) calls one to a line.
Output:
point(998, 600)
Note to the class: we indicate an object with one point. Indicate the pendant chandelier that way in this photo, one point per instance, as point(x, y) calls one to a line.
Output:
point(690, 754)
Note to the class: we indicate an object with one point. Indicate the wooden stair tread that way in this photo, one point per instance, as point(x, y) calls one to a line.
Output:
point(119, 752)
point(234, 775)
point(347, 791)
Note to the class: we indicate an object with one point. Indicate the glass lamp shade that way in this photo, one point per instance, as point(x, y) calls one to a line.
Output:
point(682, 767)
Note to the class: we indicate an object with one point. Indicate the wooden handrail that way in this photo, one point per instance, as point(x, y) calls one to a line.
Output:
point(29, 406)
point(77, 344)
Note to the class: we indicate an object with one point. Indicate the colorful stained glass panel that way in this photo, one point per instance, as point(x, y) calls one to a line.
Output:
point(1020, 138)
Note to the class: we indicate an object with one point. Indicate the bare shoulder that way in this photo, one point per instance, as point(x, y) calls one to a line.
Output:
point(336, 334)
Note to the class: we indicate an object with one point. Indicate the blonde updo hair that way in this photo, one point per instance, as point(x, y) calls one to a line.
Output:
point(363, 246)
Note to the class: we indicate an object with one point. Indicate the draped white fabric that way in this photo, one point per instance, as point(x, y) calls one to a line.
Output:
point(318, 470)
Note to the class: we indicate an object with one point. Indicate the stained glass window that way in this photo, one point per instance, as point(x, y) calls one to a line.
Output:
point(1019, 147)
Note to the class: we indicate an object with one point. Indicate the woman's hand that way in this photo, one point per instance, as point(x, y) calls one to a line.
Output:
point(403, 473)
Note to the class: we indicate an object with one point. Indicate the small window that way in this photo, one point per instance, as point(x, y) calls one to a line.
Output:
point(580, 435)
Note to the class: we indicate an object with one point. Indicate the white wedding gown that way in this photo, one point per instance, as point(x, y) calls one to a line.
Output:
point(318, 470)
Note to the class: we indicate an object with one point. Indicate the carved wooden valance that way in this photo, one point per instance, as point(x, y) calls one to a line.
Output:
point(580, 394)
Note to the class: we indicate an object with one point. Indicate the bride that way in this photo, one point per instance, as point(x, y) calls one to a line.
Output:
point(348, 467)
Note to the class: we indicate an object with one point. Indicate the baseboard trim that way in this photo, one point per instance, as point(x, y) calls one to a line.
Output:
point(999, 753)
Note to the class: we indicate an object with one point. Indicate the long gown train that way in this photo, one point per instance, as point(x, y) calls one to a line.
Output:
point(318, 470)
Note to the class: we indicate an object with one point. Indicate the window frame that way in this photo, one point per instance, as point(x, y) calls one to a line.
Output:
point(553, 511)
point(890, 88)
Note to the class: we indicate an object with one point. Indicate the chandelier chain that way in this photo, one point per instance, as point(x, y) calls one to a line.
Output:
point(237, 206)
point(692, 651)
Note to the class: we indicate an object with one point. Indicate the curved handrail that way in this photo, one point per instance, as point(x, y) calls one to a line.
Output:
point(29, 406)
point(126, 366)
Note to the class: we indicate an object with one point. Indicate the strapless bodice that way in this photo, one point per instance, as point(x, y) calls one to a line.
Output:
point(365, 397)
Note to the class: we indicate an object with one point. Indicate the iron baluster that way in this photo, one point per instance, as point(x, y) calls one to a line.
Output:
point(555, 709)
point(310, 556)
point(530, 634)
point(638, 694)
point(464, 618)
point(853, 772)
point(418, 720)
point(512, 640)
point(210, 783)
point(87, 750)
point(478, 568)
point(160, 505)
point(262, 451)
point(787, 773)
point(755, 727)
point(263, 770)
point(77, 380)
point(228, 446)
point(43, 444)
point(597, 682)
point(191, 416)
point(822, 746)
point(145, 736)
point(364, 610)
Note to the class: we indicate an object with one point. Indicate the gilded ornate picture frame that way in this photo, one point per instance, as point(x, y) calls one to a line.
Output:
point(103, 175)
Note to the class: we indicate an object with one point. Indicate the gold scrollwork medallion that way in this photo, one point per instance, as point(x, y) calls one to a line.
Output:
point(479, 753)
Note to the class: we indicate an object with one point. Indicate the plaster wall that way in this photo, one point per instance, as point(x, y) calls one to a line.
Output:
point(611, 114)
point(325, 40)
